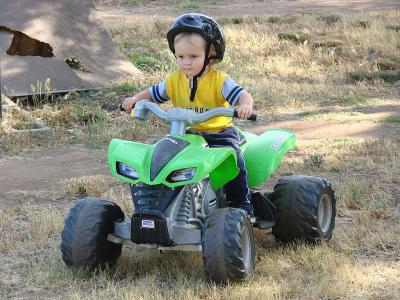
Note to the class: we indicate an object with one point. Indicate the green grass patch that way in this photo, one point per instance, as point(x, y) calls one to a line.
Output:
point(85, 113)
point(351, 99)
point(387, 76)
point(124, 87)
point(148, 55)
point(392, 119)
point(149, 61)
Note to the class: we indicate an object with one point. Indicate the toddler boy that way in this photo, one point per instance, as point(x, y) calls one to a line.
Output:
point(197, 42)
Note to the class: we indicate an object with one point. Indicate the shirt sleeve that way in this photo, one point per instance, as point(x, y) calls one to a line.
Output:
point(231, 91)
point(158, 93)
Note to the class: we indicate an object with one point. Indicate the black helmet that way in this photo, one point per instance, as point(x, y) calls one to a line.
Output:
point(203, 25)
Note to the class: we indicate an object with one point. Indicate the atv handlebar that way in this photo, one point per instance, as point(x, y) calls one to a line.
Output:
point(253, 117)
point(180, 118)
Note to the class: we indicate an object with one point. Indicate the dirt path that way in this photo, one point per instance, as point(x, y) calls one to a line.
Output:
point(46, 169)
point(110, 11)
point(317, 130)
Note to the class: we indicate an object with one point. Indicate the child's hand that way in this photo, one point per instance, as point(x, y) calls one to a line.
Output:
point(244, 111)
point(129, 103)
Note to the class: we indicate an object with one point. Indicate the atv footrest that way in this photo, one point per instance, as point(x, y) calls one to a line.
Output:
point(265, 224)
point(264, 209)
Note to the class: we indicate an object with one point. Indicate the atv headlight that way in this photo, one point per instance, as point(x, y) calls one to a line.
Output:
point(182, 175)
point(127, 171)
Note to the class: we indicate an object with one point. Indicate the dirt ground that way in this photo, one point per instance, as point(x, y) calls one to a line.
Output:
point(46, 169)
point(108, 10)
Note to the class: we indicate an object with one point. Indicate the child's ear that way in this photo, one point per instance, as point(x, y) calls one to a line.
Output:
point(212, 53)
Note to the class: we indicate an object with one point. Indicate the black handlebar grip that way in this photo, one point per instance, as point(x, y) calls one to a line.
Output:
point(253, 117)
point(122, 109)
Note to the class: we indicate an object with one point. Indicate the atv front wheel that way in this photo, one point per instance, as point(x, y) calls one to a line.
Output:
point(84, 238)
point(228, 246)
point(306, 209)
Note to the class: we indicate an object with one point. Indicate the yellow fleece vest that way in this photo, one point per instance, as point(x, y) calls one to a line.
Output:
point(208, 95)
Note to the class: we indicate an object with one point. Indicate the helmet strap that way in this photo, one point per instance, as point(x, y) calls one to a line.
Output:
point(205, 64)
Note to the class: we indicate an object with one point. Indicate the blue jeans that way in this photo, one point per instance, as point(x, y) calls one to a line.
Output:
point(237, 190)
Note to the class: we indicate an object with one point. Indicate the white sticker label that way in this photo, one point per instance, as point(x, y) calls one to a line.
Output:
point(147, 224)
point(278, 142)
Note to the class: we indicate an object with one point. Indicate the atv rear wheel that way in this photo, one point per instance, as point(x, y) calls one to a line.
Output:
point(228, 246)
point(84, 238)
point(306, 209)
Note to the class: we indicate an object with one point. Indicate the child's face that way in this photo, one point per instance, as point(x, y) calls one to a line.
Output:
point(190, 53)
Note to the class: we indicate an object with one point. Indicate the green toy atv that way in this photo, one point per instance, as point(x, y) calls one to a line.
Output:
point(177, 189)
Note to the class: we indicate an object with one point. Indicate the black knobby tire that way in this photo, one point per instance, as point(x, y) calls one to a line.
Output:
point(84, 238)
point(228, 246)
point(306, 209)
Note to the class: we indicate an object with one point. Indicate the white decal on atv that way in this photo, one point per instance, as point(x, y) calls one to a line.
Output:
point(171, 140)
point(147, 224)
point(278, 142)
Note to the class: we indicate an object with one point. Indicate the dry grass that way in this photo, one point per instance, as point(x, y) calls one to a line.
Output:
point(291, 72)
point(89, 185)
point(100, 186)
point(288, 80)
point(360, 260)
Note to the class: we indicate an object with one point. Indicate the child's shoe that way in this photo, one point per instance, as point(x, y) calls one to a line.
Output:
point(248, 208)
